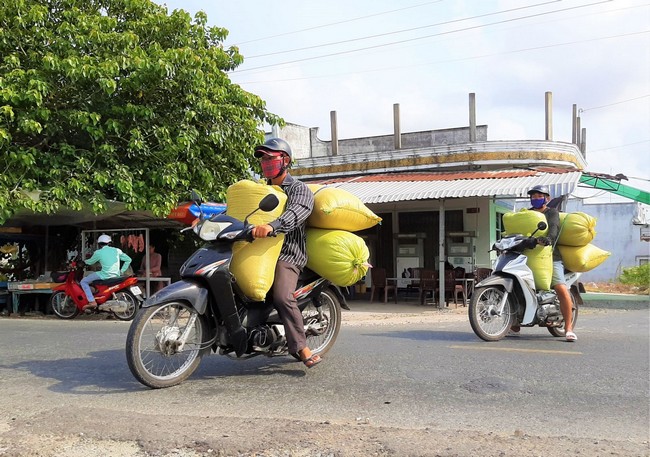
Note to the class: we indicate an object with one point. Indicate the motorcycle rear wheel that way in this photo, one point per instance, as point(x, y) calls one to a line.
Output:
point(153, 341)
point(131, 308)
point(482, 317)
point(560, 332)
point(63, 306)
point(322, 323)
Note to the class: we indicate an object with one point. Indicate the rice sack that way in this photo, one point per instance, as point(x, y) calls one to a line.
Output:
point(524, 222)
point(576, 229)
point(540, 261)
point(338, 209)
point(337, 255)
point(253, 264)
point(582, 258)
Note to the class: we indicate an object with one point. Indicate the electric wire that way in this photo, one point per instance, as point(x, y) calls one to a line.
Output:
point(417, 38)
point(615, 103)
point(368, 37)
point(460, 59)
point(338, 23)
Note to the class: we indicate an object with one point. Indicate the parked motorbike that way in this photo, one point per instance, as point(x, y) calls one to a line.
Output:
point(206, 311)
point(508, 296)
point(120, 296)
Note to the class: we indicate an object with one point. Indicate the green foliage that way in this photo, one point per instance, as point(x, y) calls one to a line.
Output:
point(637, 276)
point(118, 100)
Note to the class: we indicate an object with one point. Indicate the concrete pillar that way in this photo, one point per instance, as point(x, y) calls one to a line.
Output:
point(335, 137)
point(583, 144)
point(441, 254)
point(578, 140)
point(548, 104)
point(574, 126)
point(396, 127)
point(472, 117)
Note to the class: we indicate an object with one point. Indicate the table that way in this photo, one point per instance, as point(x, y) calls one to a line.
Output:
point(18, 288)
point(468, 287)
point(165, 280)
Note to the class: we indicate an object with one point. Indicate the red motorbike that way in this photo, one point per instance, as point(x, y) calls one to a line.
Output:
point(120, 297)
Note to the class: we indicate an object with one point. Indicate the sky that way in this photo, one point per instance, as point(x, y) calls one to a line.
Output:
point(359, 57)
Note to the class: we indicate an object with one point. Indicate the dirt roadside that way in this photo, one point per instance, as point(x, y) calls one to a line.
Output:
point(244, 437)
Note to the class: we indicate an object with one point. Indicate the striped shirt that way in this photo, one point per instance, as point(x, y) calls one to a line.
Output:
point(300, 203)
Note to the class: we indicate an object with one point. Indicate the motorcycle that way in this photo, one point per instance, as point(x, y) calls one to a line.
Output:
point(120, 296)
point(508, 296)
point(206, 311)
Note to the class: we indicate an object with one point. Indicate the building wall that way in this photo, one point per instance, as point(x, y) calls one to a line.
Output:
point(412, 140)
point(305, 143)
point(618, 230)
point(298, 138)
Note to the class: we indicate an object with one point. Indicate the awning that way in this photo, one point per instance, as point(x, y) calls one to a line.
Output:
point(396, 187)
point(613, 184)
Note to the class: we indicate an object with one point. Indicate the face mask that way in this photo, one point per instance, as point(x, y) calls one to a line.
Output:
point(272, 167)
point(537, 203)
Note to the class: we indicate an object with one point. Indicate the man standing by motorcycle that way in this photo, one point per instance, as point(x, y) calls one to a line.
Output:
point(109, 259)
point(539, 198)
point(275, 158)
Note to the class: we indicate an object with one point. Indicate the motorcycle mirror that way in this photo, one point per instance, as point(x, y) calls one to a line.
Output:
point(269, 203)
point(541, 225)
point(195, 197)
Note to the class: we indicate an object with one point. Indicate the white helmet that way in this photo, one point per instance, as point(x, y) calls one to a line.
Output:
point(104, 239)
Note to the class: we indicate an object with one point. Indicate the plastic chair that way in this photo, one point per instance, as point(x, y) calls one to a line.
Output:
point(428, 283)
point(481, 273)
point(379, 281)
point(460, 285)
point(452, 287)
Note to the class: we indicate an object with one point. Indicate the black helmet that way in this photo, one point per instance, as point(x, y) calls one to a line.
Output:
point(540, 188)
point(274, 145)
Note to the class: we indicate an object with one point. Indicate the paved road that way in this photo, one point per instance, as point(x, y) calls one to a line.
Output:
point(436, 375)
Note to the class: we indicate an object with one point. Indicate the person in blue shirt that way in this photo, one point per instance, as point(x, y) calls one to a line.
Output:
point(109, 258)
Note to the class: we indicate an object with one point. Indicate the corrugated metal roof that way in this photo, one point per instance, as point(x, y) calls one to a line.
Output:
point(383, 188)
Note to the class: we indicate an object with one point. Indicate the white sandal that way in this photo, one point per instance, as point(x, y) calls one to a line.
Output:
point(570, 336)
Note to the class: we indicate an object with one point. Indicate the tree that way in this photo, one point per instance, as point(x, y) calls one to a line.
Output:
point(118, 100)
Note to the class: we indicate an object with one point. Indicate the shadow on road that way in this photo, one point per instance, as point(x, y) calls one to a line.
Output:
point(427, 335)
point(106, 372)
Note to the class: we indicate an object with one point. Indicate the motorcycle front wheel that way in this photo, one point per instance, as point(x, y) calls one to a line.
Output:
point(131, 303)
point(323, 322)
point(155, 352)
point(63, 306)
point(560, 332)
point(484, 318)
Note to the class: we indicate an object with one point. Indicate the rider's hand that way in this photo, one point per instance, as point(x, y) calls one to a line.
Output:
point(262, 231)
point(544, 241)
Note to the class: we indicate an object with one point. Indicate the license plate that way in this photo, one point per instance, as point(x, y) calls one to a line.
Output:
point(136, 290)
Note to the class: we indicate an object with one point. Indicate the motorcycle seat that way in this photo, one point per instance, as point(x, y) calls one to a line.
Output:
point(111, 281)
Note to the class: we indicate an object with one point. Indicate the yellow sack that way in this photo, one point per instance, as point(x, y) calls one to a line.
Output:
point(540, 261)
point(253, 264)
point(577, 229)
point(582, 258)
point(524, 222)
point(338, 209)
point(337, 255)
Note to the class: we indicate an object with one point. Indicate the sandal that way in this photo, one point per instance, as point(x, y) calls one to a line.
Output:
point(311, 361)
point(571, 337)
point(90, 307)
